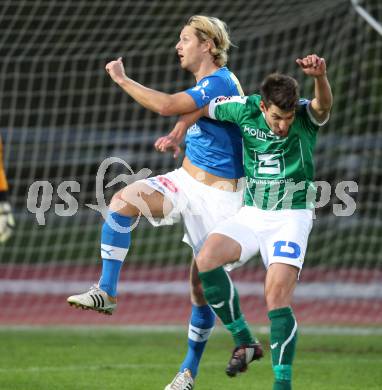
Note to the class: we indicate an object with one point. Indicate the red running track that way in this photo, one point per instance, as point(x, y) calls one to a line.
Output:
point(174, 309)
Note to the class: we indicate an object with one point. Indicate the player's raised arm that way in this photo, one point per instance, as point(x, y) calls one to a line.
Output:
point(159, 102)
point(315, 66)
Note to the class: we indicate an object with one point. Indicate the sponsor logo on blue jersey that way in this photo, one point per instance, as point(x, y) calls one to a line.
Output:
point(194, 129)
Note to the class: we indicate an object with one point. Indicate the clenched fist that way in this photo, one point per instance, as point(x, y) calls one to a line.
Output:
point(312, 65)
point(116, 70)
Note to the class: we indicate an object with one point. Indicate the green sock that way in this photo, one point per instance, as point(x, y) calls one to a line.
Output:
point(240, 332)
point(283, 346)
point(222, 296)
point(282, 371)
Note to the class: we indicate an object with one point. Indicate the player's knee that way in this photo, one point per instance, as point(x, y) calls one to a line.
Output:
point(206, 260)
point(122, 205)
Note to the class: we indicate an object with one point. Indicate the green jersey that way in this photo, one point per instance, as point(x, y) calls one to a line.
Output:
point(279, 170)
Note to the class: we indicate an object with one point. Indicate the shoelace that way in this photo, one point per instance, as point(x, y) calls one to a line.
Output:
point(179, 381)
point(176, 383)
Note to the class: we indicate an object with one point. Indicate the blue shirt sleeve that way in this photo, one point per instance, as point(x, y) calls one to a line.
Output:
point(207, 89)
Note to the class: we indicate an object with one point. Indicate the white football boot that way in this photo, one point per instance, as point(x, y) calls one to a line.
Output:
point(182, 381)
point(94, 299)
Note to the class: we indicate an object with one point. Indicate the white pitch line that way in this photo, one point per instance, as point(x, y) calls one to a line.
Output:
point(313, 290)
point(358, 331)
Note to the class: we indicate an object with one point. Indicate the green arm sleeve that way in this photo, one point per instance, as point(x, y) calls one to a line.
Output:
point(229, 109)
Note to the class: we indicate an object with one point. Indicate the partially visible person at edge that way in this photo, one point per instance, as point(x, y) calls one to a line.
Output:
point(279, 134)
point(203, 192)
point(7, 222)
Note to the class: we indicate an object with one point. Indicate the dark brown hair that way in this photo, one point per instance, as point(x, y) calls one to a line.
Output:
point(280, 90)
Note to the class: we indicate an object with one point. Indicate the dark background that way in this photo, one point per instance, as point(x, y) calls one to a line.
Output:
point(61, 115)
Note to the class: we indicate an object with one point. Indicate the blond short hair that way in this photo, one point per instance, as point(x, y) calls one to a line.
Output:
point(210, 28)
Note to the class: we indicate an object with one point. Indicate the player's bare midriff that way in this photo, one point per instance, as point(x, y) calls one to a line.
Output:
point(209, 179)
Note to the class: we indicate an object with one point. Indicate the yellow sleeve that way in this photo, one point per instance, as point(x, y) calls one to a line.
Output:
point(3, 179)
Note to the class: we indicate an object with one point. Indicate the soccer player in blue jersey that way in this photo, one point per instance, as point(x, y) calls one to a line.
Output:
point(203, 192)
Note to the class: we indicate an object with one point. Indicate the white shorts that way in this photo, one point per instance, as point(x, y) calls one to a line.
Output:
point(280, 235)
point(201, 207)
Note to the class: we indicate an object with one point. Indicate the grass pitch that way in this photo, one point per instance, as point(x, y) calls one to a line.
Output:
point(115, 359)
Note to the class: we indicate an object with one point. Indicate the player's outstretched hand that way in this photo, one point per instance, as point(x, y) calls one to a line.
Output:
point(7, 222)
point(116, 70)
point(312, 65)
point(169, 142)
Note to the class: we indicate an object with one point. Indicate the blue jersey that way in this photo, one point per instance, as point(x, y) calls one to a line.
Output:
point(214, 146)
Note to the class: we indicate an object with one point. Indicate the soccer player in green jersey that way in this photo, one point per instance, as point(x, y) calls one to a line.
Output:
point(279, 132)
